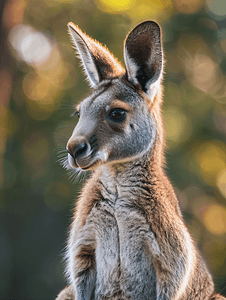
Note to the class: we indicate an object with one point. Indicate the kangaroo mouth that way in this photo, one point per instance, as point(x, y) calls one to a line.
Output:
point(89, 161)
point(85, 163)
point(90, 167)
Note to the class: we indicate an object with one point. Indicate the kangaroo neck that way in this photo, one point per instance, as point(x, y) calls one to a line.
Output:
point(121, 179)
point(138, 181)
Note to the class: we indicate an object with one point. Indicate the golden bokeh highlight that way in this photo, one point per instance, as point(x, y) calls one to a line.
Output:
point(114, 6)
point(56, 71)
point(44, 85)
point(151, 10)
point(13, 13)
point(205, 74)
point(49, 74)
point(55, 2)
point(221, 182)
point(211, 158)
point(188, 6)
point(188, 45)
point(214, 218)
point(36, 88)
point(39, 110)
point(138, 10)
point(177, 126)
point(199, 66)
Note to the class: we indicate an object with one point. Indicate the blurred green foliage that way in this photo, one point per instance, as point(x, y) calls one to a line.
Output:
point(40, 82)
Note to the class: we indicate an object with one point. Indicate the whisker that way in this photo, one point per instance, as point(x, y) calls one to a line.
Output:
point(74, 174)
point(62, 151)
point(60, 133)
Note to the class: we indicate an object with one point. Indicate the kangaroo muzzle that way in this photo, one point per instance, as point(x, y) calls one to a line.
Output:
point(79, 152)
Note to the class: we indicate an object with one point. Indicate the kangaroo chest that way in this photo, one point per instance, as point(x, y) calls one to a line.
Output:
point(124, 268)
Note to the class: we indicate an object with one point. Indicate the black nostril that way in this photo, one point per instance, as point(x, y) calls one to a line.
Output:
point(77, 147)
point(80, 149)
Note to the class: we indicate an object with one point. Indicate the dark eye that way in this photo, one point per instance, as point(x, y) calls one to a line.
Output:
point(117, 114)
point(75, 113)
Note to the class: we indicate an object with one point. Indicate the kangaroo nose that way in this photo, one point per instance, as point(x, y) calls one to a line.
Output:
point(76, 148)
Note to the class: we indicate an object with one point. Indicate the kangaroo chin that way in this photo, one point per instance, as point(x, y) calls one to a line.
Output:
point(128, 239)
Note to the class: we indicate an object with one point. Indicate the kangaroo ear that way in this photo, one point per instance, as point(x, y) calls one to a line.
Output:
point(143, 55)
point(98, 62)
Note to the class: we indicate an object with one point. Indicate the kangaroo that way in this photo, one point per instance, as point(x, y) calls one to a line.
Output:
point(128, 239)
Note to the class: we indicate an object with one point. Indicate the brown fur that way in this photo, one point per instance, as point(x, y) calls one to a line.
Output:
point(85, 203)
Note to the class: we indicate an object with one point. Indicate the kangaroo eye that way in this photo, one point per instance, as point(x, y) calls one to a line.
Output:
point(117, 114)
point(75, 113)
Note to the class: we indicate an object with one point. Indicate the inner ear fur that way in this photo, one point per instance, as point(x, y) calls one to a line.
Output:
point(143, 55)
point(98, 62)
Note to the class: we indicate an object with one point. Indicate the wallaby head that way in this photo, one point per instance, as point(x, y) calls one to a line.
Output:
point(118, 120)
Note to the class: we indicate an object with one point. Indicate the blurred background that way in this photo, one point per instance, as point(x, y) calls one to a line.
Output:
point(41, 81)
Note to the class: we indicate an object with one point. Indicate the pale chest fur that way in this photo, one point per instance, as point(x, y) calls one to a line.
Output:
point(124, 244)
